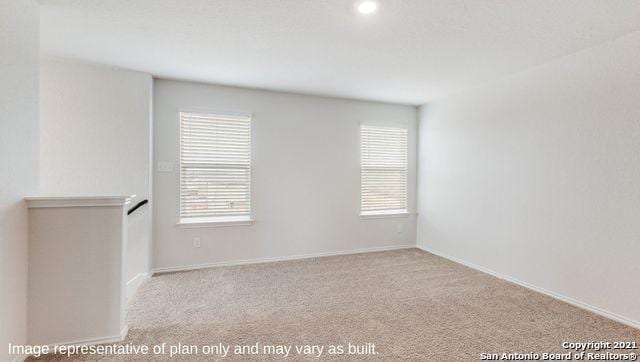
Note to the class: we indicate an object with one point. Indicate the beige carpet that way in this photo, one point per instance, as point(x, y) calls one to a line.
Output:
point(412, 305)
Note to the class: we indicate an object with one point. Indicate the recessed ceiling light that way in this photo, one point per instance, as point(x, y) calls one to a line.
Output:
point(366, 7)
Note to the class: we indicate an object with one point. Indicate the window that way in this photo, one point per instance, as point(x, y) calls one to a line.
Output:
point(383, 170)
point(215, 168)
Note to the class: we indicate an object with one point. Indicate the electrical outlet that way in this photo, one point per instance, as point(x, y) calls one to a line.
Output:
point(196, 242)
point(399, 228)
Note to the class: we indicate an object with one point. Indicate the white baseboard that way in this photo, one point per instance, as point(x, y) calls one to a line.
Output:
point(84, 342)
point(100, 340)
point(20, 358)
point(135, 283)
point(283, 258)
point(599, 311)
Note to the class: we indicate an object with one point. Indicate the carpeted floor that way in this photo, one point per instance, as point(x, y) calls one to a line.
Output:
point(411, 304)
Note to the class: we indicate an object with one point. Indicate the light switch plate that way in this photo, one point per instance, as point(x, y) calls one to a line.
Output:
point(196, 242)
point(165, 166)
point(400, 228)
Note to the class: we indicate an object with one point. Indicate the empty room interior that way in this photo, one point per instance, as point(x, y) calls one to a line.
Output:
point(426, 180)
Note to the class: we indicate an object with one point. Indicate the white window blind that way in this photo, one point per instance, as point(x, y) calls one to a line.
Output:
point(383, 170)
point(215, 167)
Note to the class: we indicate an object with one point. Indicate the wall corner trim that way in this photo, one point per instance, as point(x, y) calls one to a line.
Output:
point(582, 305)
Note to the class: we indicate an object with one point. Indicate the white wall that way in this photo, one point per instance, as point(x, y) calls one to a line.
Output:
point(305, 176)
point(95, 140)
point(19, 51)
point(76, 271)
point(537, 177)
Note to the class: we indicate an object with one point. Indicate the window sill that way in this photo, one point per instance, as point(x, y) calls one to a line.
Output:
point(208, 222)
point(384, 214)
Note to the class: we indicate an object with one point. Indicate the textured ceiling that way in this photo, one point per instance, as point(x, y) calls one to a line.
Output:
point(410, 52)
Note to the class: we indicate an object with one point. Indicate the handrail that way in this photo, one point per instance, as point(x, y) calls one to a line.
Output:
point(138, 205)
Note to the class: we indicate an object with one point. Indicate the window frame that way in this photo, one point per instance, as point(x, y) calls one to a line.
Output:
point(390, 213)
point(215, 221)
